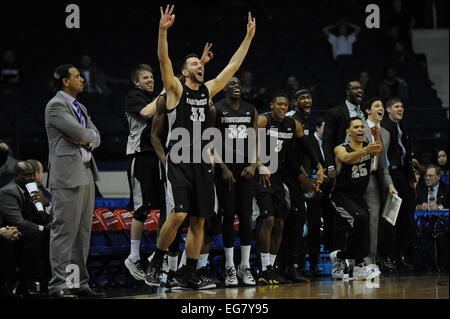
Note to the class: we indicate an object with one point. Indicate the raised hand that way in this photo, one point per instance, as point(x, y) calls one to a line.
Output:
point(207, 54)
point(167, 18)
point(251, 26)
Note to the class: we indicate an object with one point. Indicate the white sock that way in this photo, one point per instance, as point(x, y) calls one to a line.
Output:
point(183, 260)
point(202, 261)
point(229, 262)
point(245, 256)
point(272, 259)
point(173, 262)
point(134, 252)
point(265, 261)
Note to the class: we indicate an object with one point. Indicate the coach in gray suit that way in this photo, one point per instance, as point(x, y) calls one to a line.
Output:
point(72, 171)
point(380, 181)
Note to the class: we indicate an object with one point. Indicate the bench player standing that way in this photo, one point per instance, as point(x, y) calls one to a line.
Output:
point(189, 183)
point(235, 180)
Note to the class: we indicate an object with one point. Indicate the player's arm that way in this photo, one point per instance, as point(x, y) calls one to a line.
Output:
point(249, 171)
point(343, 156)
point(216, 85)
point(150, 109)
point(172, 85)
point(158, 128)
point(306, 143)
point(264, 173)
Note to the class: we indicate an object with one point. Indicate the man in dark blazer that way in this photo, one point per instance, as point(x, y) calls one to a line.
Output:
point(402, 174)
point(337, 120)
point(434, 194)
point(17, 209)
point(72, 171)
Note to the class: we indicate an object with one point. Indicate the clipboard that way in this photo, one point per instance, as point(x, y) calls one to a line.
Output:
point(391, 208)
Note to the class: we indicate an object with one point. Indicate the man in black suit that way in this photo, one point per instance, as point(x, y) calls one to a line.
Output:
point(17, 209)
point(434, 194)
point(337, 120)
point(402, 173)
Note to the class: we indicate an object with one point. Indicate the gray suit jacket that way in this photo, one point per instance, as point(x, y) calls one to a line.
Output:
point(66, 167)
point(16, 211)
point(383, 176)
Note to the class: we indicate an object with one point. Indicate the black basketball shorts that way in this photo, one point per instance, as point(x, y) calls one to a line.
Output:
point(190, 185)
point(240, 199)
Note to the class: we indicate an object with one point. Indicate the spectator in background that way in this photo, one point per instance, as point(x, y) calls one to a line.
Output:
point(402, 19)
point(398, 55)
point(342, 44)
point(434, 194)
point(291, 86)
point(369, 86)
point(442, 160)
point(10, 73)
point(391, 37)
point(392, 86)
point(96, 81)
point(250, 93)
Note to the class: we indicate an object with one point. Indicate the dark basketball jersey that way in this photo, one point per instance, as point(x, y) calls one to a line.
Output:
point(191, 114)
point(139, 139)
point(352, 179)
point(283, 134)
point(235, 127)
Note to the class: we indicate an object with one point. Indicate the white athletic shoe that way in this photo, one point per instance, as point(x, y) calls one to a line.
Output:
point(363, 272)
point(230, 277)
point(245, 275)
point(339, 266)
point(135, 269)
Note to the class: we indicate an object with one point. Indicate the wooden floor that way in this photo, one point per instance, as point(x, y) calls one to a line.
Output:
point(386, 287)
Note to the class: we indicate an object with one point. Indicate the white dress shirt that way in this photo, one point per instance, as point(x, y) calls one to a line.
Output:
point(320, 141)
point(372, 139)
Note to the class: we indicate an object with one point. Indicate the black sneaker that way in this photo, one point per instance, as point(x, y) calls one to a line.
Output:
point(173, 282)
point(293, 274)
point(207, 282)
point(278, 276)
point(153, 276)
point(192, 279)
point(268, 277)
point(207, 272)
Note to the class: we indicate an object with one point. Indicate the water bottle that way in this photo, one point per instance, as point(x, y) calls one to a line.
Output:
point(313, 176)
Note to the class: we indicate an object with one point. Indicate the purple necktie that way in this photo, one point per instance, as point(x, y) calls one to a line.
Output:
point(80, 115)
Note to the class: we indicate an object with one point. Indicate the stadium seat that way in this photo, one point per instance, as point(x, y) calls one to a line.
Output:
point(151, 223)
point(125, 217)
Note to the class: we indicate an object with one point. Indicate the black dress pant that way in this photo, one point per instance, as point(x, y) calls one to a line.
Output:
point(401, 238)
